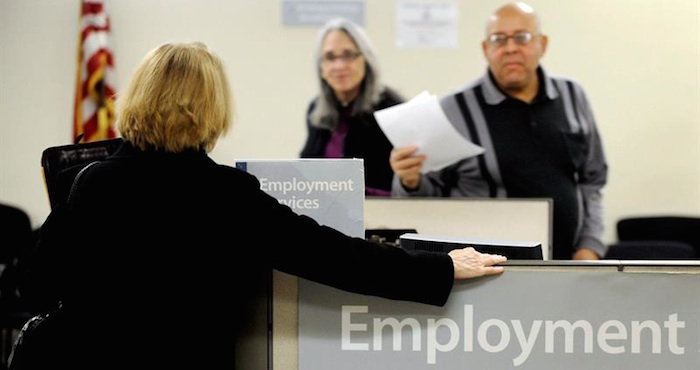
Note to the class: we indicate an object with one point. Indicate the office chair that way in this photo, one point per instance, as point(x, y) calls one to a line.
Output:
point(650, 250)
point(657, 237)
point(16, 237)
point(60, 164)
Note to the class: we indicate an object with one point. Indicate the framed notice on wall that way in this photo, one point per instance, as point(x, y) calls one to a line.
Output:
point(317, 12)
point(421, 24)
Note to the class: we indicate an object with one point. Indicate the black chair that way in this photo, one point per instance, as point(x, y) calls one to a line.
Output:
point(650, 250)
point(657, 237)
point(60, 164)
point(16, 238)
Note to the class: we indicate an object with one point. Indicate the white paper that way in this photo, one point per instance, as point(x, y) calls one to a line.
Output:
point(422, 122)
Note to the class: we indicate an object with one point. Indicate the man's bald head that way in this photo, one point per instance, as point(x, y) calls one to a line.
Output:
point(519, 9)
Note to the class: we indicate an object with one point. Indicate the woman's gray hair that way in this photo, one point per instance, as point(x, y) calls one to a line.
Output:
point(324, 113)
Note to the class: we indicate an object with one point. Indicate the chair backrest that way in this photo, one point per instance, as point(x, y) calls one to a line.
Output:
point(684, 229)
point(15, 232)
point(659, 227)
point(66, 161)
point(651, 250)
point(16, 239)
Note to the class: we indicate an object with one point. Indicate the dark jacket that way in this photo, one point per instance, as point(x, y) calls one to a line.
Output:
point(365, 139)
point(548, 148)
point(159, 258)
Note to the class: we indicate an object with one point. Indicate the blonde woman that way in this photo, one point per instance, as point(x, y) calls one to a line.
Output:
point(158, 259)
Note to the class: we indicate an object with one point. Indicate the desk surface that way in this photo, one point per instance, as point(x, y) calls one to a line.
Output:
point(483, 218)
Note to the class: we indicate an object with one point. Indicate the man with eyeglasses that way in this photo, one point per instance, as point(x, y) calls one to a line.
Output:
point(539, 134)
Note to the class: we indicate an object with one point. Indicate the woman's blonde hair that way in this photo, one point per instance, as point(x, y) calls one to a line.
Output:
point(178, 99)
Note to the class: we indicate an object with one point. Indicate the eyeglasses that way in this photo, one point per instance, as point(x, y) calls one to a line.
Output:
point(499, 39)
point(346, 56)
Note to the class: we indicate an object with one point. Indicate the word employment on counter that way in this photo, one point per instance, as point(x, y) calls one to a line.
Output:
point(610, 337)
point(304, 194)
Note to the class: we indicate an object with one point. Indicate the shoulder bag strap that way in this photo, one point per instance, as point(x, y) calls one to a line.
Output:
point(76, 181)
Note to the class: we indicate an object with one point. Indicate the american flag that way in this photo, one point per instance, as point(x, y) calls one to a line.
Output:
point(94, 92)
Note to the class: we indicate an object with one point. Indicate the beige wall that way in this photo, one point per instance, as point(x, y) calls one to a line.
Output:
point(639, 61)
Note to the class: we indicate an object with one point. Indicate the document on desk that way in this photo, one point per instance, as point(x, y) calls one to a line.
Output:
point(422, 122)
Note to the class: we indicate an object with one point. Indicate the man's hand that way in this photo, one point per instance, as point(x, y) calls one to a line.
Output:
point(406, 166)
point(585, 254)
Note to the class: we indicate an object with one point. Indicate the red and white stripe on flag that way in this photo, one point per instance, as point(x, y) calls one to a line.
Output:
point(94, 93)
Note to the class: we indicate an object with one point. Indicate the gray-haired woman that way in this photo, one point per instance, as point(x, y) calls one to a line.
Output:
point(340, 119)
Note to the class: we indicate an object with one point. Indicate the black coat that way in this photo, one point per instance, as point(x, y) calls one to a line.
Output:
point(159, 258)
point(365, 139)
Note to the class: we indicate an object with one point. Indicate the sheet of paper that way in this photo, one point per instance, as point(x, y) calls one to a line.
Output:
point(422, 122)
